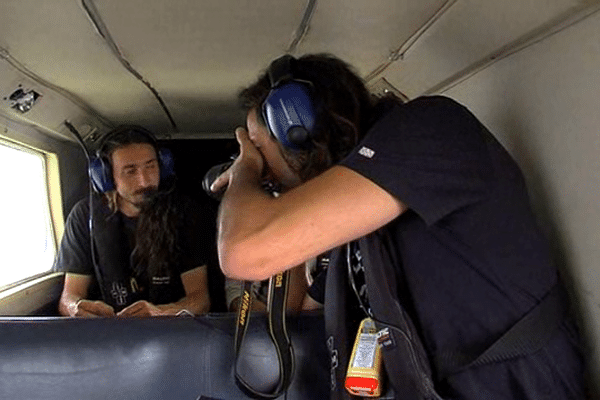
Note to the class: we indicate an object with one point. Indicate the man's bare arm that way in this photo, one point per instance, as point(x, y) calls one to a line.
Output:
point(260, 236)
point(73, 302)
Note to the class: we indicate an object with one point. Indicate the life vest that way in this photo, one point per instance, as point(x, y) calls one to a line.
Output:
point(112, 252)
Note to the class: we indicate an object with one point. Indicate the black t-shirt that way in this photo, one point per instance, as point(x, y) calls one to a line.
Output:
point(196, 244)
point(472, 257)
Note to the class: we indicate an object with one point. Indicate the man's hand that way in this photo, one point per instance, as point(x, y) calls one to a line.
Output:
point(140, 308)
point(91, 309)
point(249, 157)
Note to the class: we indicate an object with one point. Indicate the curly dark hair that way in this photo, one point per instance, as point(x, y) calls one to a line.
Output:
point(343, 106)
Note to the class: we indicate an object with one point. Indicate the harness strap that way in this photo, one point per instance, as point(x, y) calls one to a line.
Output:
point(527, 336)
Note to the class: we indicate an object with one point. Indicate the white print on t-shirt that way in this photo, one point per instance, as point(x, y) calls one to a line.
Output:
point(161, 280)
point(119, 293)
point(367, 152)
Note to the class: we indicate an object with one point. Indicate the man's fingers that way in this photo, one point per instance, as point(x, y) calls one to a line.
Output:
point(86, 314)
point(94, 308)
point(241, 134)
point(219, 183)
point(127, 311)
point(104, 309)
point(140, 308)
point(222, 181)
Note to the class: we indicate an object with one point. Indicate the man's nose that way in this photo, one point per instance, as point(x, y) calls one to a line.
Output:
point(144, 178)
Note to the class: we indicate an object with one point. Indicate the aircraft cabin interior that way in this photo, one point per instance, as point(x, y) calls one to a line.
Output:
point(72, 70)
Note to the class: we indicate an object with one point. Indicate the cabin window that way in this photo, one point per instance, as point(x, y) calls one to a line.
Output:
point(27, 240)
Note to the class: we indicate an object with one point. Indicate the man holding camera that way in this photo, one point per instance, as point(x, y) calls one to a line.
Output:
point(431, 225)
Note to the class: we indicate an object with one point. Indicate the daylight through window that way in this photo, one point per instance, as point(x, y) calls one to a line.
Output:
point(26, 237)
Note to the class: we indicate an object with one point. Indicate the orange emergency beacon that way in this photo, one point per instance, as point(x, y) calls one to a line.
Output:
point(364, 375)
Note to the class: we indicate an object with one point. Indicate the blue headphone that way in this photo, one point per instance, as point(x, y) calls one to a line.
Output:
point(289, 110)
point(100, 169)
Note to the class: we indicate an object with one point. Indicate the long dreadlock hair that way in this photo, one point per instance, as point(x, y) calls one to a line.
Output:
point(156, 235)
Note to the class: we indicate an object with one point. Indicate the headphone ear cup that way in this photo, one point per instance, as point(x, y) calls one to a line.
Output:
point(289, 113)
point(298, 135)
point(167, 164)
point(100, 174)
point(100, 171)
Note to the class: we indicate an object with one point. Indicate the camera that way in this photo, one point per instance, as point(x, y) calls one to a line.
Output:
point(211, 175)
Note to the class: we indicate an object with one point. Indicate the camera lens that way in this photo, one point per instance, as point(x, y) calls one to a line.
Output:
point(211, 175)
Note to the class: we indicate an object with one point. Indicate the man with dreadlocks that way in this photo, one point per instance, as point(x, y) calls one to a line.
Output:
point(149, 248)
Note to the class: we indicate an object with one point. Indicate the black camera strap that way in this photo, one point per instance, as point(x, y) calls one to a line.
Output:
point(278, 291)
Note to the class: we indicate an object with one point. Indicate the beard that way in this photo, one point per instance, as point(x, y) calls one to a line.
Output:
point(147, 197)
point(156, 233)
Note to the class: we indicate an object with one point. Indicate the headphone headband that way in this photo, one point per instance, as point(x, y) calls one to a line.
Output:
point(122, 130)
point(281, 70)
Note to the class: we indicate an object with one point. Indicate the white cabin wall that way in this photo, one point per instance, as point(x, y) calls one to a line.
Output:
point(543, 104)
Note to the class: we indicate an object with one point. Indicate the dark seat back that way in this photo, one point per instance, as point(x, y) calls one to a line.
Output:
point(151, 358)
